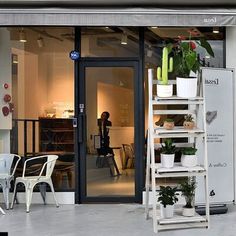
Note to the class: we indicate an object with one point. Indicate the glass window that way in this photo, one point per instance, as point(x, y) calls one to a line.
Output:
point(43, 97)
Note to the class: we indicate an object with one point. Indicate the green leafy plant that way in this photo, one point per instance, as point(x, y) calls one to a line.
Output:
point(189, 151)
point(186, 58)
point(167, 195)
point(188, 118)
point(188, 187)
point(168, 147)
point(169, 120)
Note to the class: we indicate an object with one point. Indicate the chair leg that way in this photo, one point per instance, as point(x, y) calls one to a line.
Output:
point(14, 195)
point(2, 211)
point(5, 190)
point(42, 188)
point(28, 195)
point(53, 192)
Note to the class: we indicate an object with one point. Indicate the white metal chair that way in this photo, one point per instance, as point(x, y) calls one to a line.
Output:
point(7, 171)
point(31, 181)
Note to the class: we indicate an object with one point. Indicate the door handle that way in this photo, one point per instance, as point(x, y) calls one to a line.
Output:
point(80, 127)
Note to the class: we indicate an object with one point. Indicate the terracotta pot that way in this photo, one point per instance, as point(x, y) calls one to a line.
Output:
point(168, 125)
point(189, 124)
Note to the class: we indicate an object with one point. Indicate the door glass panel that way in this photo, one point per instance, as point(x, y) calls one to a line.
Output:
point(110, 131)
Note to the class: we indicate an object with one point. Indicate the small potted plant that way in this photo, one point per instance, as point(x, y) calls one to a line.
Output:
point(164, 89)
point(189, 157)
point(167, 198)
point(186, 61)
point(188, 122)
point(167, 154)
point(169, 124)
point(188, 191)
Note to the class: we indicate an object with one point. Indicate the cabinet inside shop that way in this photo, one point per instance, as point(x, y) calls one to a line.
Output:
point(56, 135)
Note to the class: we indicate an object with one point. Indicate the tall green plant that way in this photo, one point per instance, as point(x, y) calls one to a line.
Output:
point(162, 72)
point(188, 191)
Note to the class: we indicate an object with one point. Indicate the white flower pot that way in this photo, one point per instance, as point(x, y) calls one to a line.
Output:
point(164, 90)
point(167, 160)
point(186, 87)
point(188, 212)
point(167, 212)
point(188, 160)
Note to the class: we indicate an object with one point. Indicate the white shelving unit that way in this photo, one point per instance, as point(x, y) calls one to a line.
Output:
point(154, 172)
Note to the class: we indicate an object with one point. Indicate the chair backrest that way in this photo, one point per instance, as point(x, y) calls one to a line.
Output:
point(50, 166)
point(6, 161)
point(128, 150)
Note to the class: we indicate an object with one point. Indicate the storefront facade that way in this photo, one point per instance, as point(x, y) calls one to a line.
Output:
point(111, 72)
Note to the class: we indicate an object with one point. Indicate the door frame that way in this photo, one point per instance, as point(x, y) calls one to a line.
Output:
point(81, 131)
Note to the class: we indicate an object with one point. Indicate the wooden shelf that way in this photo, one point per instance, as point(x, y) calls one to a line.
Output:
point(177, 130)
point(179, 218)
point(179, 171)
point(174, 100)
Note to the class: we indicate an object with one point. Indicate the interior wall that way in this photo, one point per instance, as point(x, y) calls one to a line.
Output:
point(5, 77)
point(107, 77)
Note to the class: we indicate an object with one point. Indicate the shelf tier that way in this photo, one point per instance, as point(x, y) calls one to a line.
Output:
point(179, 171)
point(177, 129)
point(173, 112)
point(180, 222)
point(179, 134)
point(174, 100)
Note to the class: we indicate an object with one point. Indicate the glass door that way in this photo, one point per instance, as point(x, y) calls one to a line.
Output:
point(108, 124)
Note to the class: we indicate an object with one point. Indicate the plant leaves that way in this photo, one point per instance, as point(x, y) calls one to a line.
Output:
point(191, 58)
point(169, 47)
point(207, 46)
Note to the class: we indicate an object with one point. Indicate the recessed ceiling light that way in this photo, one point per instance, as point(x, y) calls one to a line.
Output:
point(216, 30)
point(154, 27)
point(22, 36)
point(124, 39)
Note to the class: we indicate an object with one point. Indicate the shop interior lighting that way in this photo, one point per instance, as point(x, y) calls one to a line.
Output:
point(22, 36)
point(40, 42)
point(149, 51)
point(14, 59)
point(216, 30)
point(154, 27)
point(124, 39)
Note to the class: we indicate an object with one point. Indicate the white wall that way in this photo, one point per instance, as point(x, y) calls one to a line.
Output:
point(231, 63)
point(5, 77)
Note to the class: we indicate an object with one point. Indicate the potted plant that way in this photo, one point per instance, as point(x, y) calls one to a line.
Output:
point(167, 154)
point(164, 89)
point(188, 122)
point(186, 60)
point(189, 157)
point(167, 198)
point(169, 124)
point(188, 191)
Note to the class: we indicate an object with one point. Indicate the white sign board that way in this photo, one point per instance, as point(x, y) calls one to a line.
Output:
point(220, 132)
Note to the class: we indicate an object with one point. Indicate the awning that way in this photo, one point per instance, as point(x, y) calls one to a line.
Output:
point(118, 16)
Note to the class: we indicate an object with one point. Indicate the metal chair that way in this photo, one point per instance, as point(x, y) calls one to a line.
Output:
point(7, 171)
point(31, 181)
point(129, 156)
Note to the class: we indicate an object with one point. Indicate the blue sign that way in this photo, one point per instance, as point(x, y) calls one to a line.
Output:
point(74, 55)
